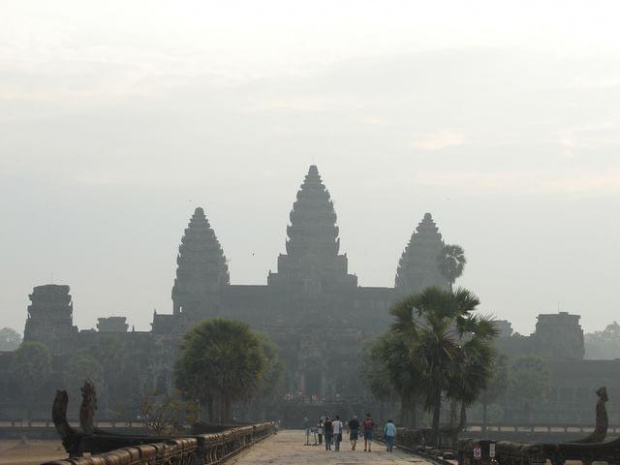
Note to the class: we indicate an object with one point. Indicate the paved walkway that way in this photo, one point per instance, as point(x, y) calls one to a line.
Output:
point(287, 448)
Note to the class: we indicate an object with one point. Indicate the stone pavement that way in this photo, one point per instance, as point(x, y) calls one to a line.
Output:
point(287, 448)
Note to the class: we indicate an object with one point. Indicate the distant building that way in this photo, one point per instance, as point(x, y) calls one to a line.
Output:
point(112, 324)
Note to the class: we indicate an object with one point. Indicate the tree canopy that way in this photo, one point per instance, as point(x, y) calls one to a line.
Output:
point(32, 365)
point(9, 339)
point(222, 362)
point(389, 372)
point(82, 366)
point(272, 378)
point(437, 347)
point(529, 380)
point(605, 344)
point(452, 262)
point(496, 387)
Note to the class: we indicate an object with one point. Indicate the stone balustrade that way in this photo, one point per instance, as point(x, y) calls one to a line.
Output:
point(206, 449)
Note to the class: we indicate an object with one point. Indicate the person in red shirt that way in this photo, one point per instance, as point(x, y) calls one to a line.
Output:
point(368, 425)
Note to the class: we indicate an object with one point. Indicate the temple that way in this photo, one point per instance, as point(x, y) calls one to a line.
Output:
point(312, 307)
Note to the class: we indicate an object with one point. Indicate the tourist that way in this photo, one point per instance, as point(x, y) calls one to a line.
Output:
point(389, 431)
point(319, 431)
point(337, 433)
point(327, 428)
point(307, 430)
point(368, 426)
point(354, 426)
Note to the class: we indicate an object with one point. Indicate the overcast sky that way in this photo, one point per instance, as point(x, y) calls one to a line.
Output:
point(118, 118)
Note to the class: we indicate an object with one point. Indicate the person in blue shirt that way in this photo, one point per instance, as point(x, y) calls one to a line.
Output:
point(389, 431)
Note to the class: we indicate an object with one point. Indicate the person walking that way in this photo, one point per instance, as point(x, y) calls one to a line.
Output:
point(327, 428)
point(354, 427)
point(389, 431)
point(337, 431)
point(368, 426)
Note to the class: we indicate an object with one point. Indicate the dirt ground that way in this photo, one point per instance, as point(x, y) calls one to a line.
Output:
point(33, 452)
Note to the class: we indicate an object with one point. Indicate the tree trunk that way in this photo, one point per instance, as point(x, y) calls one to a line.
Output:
point(453, 414)
point(436, 417)
point(463, 419)
point(408, 412)
point(485, 432)
point(460, 427)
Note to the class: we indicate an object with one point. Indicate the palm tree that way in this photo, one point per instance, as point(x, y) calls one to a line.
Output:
point(222, 362)
point(389, 370)
point(452, 262)
point(449, 346)
point(473, 367)
point(271, 381)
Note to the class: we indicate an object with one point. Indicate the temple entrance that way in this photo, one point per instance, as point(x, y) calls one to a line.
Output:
point(313, 383)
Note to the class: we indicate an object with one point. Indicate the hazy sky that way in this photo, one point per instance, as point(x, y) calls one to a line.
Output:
point(118, 118)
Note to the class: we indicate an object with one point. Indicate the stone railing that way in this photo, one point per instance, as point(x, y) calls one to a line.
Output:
point(414, 440)
point(206, 449)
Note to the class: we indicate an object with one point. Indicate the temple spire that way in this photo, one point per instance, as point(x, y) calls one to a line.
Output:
point(201, 270)
point(313, 243)
point(313, 220)
point(419, 265)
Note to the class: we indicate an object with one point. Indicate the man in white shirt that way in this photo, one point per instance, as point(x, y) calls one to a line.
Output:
point(337, 429)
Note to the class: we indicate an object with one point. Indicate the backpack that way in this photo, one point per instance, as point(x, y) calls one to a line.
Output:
point(328, 426)
point(368, 424)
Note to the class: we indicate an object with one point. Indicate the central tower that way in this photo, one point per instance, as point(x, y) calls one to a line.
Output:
point(312, 264)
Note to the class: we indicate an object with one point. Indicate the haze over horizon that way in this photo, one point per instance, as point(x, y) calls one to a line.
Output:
point(117, 120)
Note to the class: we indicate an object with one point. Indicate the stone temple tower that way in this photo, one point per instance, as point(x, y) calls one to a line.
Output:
point(559, 336)
point(419, 264)
point(312, 264)
point(202, 271)
point(50, 318)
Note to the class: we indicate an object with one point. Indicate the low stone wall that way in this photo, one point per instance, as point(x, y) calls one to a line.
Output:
point(203, 449)
point(414, 440)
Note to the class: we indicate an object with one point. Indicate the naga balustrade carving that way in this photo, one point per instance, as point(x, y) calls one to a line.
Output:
point(587, 450)
point(207, 449)
point(120, 449)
